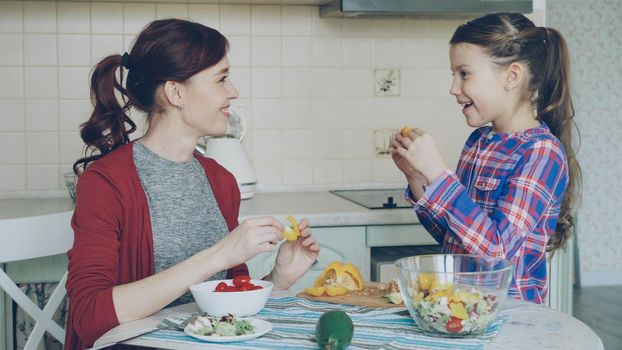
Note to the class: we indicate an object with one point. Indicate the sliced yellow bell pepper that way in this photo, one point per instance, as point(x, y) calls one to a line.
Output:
point(334, 291)
point(426, 280)
point(405, 131)
point(341, 275)
point(315, 291)
point(293, 222)
point(458, 310)
point(291, 233)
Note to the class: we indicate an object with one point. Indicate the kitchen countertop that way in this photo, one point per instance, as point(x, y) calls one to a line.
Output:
point(19, 208)
point(320, 208)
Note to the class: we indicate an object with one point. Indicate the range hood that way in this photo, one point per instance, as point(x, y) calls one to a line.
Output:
point(422, 8)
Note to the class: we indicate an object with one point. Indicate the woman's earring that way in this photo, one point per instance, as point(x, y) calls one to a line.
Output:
point(181, 106)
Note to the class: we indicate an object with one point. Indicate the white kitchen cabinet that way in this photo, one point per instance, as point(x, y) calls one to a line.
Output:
point(561, 279)
point(345, 244)
point(398, 235)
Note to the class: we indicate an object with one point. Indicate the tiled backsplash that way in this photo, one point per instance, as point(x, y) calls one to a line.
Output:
point(306, 85)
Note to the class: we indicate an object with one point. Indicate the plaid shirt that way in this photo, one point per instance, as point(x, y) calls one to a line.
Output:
point(503, 201)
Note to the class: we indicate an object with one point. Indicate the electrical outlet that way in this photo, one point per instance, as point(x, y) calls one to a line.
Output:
point(387, 82)
point(382, 140)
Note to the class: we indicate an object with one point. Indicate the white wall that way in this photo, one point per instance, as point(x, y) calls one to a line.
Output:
point(593, 31)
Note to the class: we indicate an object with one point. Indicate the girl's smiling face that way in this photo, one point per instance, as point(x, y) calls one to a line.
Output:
point(478, 85)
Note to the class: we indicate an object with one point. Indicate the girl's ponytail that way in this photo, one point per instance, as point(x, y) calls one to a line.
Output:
point(106, 128)
point(554, 107)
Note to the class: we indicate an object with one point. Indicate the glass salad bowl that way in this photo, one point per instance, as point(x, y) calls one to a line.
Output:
point(453, 295)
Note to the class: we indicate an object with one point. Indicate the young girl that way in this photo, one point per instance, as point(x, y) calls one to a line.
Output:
point(513, 192)
point(152, 217)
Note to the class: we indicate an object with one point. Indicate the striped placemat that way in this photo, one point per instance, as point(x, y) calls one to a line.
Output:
point(294, 321)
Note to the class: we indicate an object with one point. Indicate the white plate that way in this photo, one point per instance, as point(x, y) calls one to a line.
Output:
point(261, 327)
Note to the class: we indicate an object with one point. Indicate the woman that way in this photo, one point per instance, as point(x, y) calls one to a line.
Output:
point(152, 217)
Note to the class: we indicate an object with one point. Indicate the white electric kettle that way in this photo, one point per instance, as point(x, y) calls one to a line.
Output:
point(227, 150)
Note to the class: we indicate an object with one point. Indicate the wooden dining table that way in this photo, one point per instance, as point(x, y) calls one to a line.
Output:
point(529, 327)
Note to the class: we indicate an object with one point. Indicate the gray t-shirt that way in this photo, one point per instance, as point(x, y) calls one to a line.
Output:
point(185, 217)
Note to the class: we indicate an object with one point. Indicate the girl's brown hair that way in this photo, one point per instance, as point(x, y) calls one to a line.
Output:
point(166, 50)
point(512, 37)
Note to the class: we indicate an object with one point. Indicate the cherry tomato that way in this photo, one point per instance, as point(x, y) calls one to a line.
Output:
point(247, 286)
point(241, 280)
point(220, 287)
point(454, 325)
point(231, 289)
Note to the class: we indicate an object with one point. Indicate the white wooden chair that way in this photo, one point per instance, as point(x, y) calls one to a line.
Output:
point(29, 238)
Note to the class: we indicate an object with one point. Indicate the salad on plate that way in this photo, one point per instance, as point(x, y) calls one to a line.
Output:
point(225, 326)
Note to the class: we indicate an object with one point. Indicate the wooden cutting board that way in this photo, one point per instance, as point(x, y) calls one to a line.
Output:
point(370, 297)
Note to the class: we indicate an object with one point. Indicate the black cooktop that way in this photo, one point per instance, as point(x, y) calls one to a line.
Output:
point(375, 199)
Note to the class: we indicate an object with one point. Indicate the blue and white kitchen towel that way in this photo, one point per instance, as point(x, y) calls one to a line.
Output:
point(294, 321)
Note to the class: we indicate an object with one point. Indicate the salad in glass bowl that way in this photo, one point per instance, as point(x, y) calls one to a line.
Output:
point(453, 295)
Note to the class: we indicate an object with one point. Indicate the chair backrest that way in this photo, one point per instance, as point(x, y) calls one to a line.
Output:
point(29, 238)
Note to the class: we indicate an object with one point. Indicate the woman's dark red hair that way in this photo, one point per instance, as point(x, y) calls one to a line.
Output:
point(166, 50)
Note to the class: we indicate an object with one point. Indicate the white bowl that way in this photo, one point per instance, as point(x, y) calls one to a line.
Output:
point(244, 303)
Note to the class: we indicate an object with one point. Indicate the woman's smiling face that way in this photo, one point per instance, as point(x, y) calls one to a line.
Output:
point(478, 85)
point(209, 98)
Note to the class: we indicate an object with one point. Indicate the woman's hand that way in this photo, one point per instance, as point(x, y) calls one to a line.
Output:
point(294, 258)
point(251, 237)
point(417, 155)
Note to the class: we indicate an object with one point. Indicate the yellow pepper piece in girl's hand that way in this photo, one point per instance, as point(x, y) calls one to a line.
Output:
point(291, 233)
point(405, 131)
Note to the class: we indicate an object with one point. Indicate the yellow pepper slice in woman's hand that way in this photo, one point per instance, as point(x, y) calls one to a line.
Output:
point(291, 233)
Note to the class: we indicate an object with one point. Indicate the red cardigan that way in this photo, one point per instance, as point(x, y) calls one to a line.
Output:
point(113, 242)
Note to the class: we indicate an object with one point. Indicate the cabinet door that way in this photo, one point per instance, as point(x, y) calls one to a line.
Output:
point(396, 235)
point(345, 244)
point(561, 279)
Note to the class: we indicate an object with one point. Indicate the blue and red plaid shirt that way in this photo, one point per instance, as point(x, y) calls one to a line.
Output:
point(502, 201)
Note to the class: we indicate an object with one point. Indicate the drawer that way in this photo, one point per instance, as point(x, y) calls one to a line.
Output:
point(396, 235)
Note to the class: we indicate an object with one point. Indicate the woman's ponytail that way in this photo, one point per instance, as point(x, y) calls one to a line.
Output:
point(106, 128)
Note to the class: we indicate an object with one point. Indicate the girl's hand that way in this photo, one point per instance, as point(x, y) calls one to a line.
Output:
point(402, 163)
point(294, 258)
point(418, 153)
point(251, 237)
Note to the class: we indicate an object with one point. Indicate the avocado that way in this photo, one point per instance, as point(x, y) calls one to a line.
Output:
point(334, 330)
